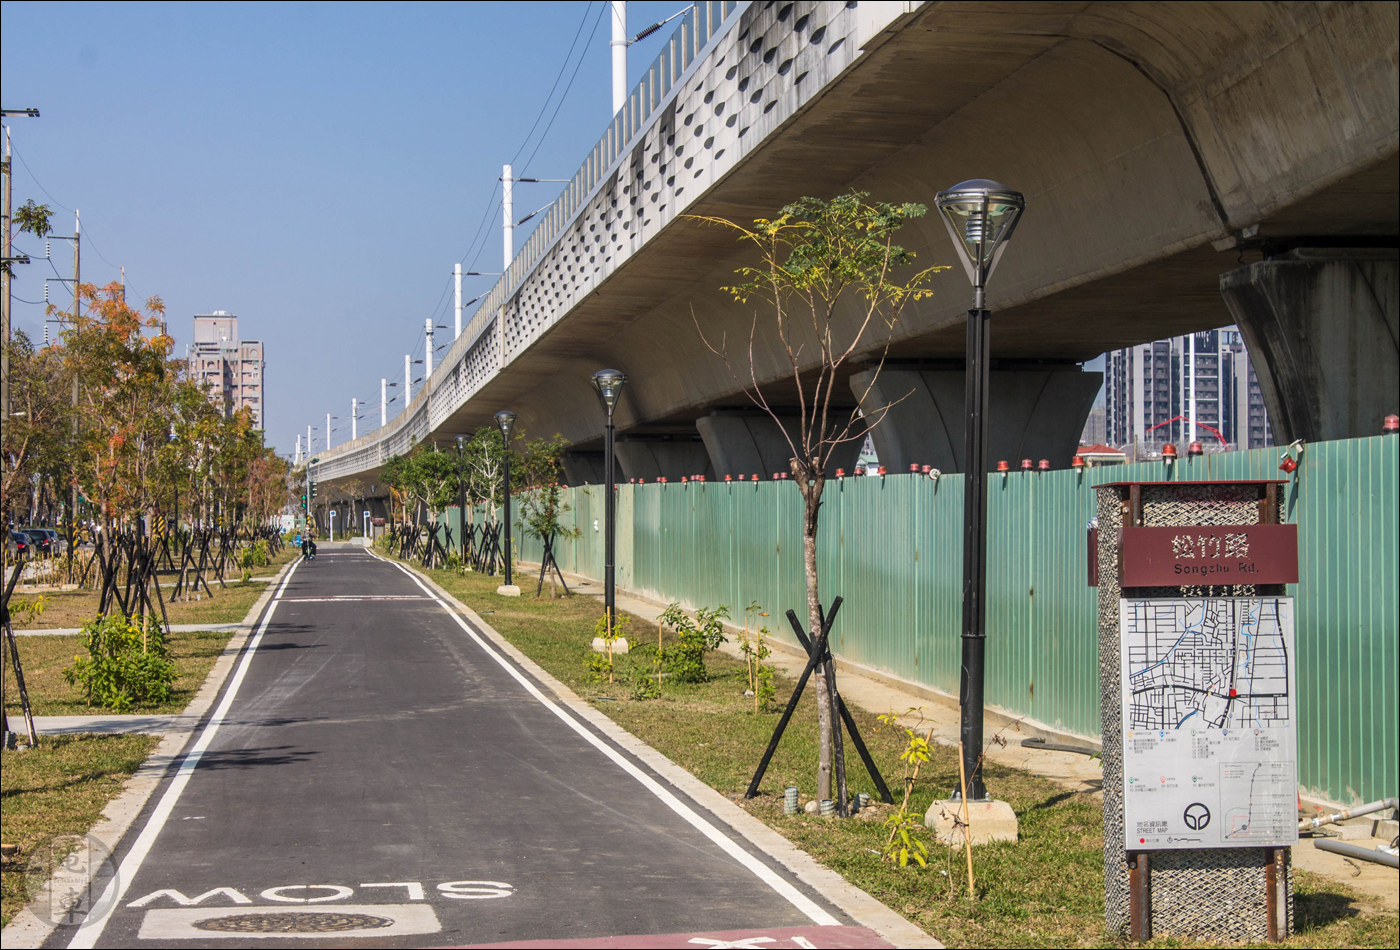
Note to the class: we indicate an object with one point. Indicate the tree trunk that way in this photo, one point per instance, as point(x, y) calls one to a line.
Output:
point(811, 497)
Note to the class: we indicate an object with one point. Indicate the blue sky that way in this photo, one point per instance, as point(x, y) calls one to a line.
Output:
point(316, 169)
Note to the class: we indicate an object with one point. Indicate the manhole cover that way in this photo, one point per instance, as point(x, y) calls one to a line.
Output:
point(293, 923)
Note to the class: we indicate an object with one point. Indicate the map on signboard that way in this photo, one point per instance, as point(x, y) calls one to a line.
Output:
point(1209, 738)
point(1222, 661)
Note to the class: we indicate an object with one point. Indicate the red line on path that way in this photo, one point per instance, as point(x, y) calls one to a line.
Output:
point(826, 938)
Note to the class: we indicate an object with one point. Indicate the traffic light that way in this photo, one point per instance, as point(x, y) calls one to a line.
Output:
point(313, 489)
point(303, 501)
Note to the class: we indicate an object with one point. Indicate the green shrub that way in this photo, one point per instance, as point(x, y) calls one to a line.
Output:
point(254, 555)
point(126, 664)
point(686, 660)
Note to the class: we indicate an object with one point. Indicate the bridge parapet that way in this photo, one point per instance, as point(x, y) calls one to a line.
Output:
point(728, 78)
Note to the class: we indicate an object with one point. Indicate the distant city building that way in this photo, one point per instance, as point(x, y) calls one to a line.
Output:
point(1098, 456)
point(230, 369)
point(1147, 394)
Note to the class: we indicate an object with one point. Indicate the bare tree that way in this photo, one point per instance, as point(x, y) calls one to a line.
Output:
point(825, 278)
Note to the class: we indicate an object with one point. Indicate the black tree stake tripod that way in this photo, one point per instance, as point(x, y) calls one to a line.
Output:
point(818, 651)
point(547, 563)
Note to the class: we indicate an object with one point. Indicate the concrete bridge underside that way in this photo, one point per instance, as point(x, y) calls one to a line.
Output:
point(1161, 147)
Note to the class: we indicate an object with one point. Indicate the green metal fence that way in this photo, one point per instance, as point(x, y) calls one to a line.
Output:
point(892, 547)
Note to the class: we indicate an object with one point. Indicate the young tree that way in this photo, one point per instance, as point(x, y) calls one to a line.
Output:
point(826, 283)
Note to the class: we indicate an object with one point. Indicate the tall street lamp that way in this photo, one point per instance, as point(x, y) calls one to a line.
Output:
point(609, 383)
point(462, 494)
point(980, 216)
point(505, 420)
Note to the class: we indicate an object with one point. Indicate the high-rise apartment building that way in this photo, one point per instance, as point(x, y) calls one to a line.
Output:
point(1150, 390)
point(230, 369)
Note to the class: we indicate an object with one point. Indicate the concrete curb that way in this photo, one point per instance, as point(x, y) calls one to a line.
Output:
point(28, 929)
point(864, 909)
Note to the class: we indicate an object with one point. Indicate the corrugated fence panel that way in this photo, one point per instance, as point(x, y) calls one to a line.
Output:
point(892, 547)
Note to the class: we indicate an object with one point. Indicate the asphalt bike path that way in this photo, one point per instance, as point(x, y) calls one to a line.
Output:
point(376, 773)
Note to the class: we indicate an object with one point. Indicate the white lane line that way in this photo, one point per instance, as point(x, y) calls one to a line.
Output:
point(92, 926)
point(760, 870)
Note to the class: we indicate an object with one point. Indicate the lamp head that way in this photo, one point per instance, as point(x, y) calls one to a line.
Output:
point(461, 443)
point(609, 383)
point(505, 421)
point(980, 216)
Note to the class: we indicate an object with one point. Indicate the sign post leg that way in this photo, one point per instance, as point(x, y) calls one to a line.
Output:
point(1139, 896)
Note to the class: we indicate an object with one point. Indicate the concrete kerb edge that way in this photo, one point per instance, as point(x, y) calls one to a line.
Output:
point(864, 909)
point(998, 718)
point(27, 930)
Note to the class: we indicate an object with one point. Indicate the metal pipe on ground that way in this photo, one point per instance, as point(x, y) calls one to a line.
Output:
point(1308, 824)
point(1356, 851)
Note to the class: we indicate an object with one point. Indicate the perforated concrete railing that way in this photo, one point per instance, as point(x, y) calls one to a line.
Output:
point(725, 81)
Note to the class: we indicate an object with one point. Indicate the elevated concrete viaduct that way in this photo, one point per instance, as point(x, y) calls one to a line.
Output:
point(1185, 166)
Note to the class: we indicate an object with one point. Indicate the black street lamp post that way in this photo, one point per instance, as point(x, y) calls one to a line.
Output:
point(462, 494)
point(980, 216)
point(609, 383)
point(505, 420)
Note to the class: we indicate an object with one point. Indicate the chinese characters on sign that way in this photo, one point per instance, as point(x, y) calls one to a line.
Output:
point(1214, 555)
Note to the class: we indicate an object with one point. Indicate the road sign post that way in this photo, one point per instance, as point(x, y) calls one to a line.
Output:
point(1199, 721)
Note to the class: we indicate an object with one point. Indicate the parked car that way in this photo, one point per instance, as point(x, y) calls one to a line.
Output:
point(46, 541)
point(19, 544)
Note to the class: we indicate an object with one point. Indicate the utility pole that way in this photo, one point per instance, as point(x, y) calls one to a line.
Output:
point(354, 422)
point(298, 455)
point(508, 217)
point(10, 260)
point(308, 439)
point(73, 489)
point(383, 402)
point(457, 289)
point(619, 56)
point(328, 432)
point(428, 352)
point(5, 294)
point(407, 379)
point(1191, 369)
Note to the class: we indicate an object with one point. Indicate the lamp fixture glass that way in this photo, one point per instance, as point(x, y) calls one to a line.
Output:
point(461, 443)
point(505, 421)
point(980, 216)
point(609, 383)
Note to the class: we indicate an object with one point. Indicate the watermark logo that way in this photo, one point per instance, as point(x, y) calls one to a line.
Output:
point(76, 869)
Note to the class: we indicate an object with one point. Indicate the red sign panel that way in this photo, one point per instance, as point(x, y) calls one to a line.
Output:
point(377, 521)
point(1210, 555)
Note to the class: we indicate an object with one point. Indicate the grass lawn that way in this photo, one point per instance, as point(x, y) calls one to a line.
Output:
point(1047, 889)
point(73, 608)
point(60, 788)
point(194, 652)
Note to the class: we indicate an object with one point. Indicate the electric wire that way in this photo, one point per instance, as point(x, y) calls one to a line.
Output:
point(597, 20)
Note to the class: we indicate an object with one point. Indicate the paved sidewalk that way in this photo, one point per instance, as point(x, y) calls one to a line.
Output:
point(111, 725)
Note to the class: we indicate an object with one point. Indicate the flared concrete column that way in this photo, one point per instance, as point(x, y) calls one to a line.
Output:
point(1320, 325)
point(583, 468)
point(1034, 414)
point(652, 459)
point(748, 443)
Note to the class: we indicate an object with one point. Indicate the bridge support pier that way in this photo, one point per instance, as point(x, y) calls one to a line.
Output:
point(1035, 413)
point(749, 442)
point(583, 468)
point(663, 458)
point(1321, 327)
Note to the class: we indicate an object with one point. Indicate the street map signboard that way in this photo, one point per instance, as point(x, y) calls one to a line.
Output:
point(1210, 746)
